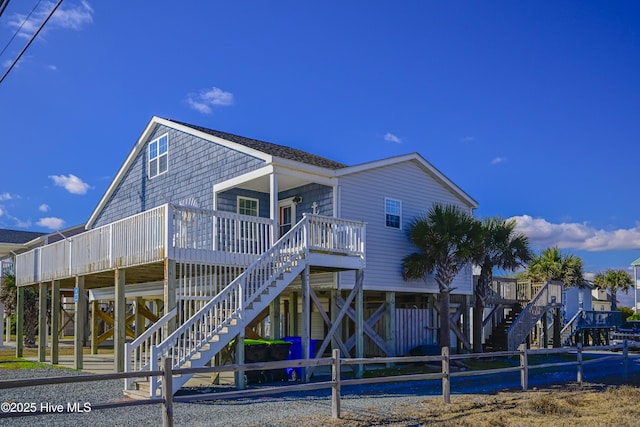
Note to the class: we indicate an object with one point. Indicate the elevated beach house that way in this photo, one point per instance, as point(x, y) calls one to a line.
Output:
point(204, 238)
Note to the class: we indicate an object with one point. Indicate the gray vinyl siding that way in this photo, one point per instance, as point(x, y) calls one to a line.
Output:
point(195, 165)
point(322, 195)
point(362, 198)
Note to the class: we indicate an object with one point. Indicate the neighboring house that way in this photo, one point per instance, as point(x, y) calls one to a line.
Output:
point(188, 231)
point(577, 298)
point(601, 300)
point(13, 242)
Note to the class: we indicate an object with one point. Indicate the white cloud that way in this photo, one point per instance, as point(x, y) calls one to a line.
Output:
point(22, 224)
point(468, 139)
point(498, 160)
point(72, 18)
point(392, 138)
point(52, 223)
point(5, 196)
point(208, 98)
point(580, 236)
point(71, 183)
point(52, 67)
point(44, 208)
point(1, 212)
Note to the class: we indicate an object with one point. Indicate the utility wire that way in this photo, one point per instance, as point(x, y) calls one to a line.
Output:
point(24, 21)
point(33, 37)
point(3, 6)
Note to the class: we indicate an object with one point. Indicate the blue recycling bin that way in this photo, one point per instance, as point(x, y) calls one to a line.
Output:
point(295, 352)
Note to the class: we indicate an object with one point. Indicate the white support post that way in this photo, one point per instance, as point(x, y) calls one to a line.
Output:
point(170, 300)
point(119, 321)
point(273, 207)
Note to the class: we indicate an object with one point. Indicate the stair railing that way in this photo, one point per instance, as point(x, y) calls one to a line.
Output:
point(229, 304)
point(571, 327)
point(550, 295)
point(138, 352)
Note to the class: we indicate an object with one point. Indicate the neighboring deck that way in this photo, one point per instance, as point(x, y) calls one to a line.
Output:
point(143, 242)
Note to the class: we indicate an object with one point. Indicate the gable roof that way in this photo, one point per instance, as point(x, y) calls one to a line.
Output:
point(268, 152)
point(276, 150)
point(422, 163)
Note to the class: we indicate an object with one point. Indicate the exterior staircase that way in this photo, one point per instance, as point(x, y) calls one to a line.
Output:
point(548, 297)
point(196, 341)
point(497, 341)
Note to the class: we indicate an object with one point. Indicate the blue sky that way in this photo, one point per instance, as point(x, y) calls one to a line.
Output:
point(533, 108)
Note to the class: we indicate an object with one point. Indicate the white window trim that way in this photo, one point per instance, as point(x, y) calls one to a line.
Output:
point(287, 202)
point(158, 156)
point(247, 198)
point(385, 213)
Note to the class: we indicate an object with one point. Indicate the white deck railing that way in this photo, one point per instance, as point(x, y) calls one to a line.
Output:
point(168, 231)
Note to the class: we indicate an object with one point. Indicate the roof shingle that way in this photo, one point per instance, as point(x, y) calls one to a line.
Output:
point(270, 148)
point(18, 237)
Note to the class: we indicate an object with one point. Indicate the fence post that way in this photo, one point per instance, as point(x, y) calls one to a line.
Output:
point(446, 386)
point(524, 367)
point(625, 358)
point(335, 387)
point(167, 392)
point(579, 354)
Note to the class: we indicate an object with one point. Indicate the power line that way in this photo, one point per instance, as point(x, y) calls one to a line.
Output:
point(33, 37)
point(24, 21)
point(3, 6)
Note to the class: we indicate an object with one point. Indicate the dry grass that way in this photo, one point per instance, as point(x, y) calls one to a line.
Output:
point(586, 406)
point(63, 351)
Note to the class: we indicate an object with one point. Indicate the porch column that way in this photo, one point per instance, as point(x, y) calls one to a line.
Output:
point(275, 319)
point(55, 321)
point(274, 211)
point(119, 321)
point(95, 306)
point(306, 318)
point(390, 324)
point(359, 321)
point(78, 321)
point(42, 322)
point(19, 321)
point(170, 291)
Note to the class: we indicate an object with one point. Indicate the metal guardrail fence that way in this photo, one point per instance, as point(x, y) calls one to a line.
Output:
point(336, 383)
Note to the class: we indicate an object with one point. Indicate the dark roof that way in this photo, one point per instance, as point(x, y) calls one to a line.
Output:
point(18, 237)
point(270, 148)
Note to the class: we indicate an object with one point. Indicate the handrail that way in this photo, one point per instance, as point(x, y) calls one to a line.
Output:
point(226, 306)
point(548, 296)
point(138, 352)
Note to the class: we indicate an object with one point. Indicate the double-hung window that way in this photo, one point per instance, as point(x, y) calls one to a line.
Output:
point(393, 213)
point(159, 156)
point(247, 206)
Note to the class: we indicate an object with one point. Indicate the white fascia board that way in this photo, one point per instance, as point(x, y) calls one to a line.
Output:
point(226, 143)
point(305, 167)
point(307, 176)
point(428, 167)
point(241, 179)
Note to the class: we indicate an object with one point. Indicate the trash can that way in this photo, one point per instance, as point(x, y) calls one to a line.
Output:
point(295, 352)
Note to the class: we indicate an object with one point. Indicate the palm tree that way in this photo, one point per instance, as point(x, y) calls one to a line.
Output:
point(552, 264)
point(614, 281)
point(447, 239)
point(503, 248)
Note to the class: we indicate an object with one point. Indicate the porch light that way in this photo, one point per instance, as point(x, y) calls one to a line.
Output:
point(297, 200)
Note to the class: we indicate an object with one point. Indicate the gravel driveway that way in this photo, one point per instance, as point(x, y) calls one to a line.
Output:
point(291, 409)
